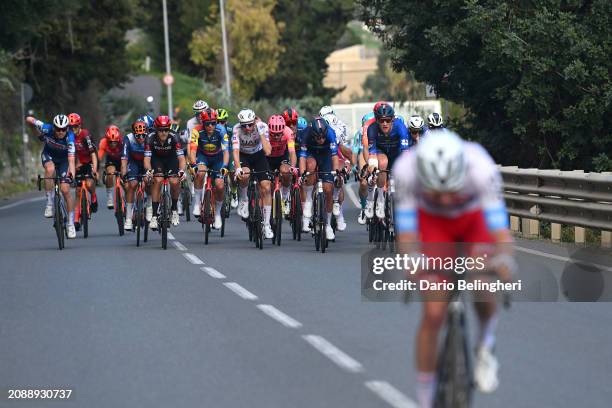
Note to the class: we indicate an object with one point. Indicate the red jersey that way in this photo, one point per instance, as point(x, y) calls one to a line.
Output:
point(114, 153)
point(280, 145)
point(84, 146)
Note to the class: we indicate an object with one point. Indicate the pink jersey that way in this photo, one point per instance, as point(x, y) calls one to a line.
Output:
point(280, 145)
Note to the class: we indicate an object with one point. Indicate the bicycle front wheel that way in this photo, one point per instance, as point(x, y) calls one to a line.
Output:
point(58, 220)
point(278, 218)
point(119, 210)
point(84, 214)
point(208, 213)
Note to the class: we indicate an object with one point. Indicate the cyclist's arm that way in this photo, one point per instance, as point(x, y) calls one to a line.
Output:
point(265, 142)
point(92, 154)
point(102, 149)
point(71, 154)
point(405, 138)
point(406, 208)
point(303, 153)
point(236, 147)
point(146, 162)
point(193, 146)
point(291, 149)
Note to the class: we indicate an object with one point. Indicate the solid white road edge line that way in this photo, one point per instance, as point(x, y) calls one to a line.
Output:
point(212, 272)
point(390, 394)
point(332, 352)
point(18, 203)
point(562, 258)
point(193, 259)
point(240, 291)
point(280, 317)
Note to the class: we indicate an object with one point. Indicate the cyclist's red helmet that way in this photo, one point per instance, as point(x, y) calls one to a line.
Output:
point(291, 116)
point(74, 119)
point(276, 124)
point(113, 134)
point(208, 115)
point(162, 122)
point(377, 105)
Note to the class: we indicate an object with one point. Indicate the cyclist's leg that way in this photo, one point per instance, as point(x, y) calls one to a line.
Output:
point(219, 190)
point(324, 164)
point(110, 181)
point(198, 182)
point(260, 164)
point(133, 171)
point(307, 187)
point(157, 167)
point(62, 170)
point(172, 166)
point(49, 167)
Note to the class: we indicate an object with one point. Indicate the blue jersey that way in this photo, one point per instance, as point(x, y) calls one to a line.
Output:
point(132, 150)
point(58, 149)
point(308, 145)
point(398, 138)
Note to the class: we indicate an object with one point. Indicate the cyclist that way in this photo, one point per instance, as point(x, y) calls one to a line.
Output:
point(319, 152)
point(360, 161)
point(283, 157)
point(198, 107)
point(132, 166)
point(222, 119)
point(345, 156)
point(251, 145)
point(417, 128)
point(209, 149)
point(434, 121)
point(387, 138)
point(163, 153)
point(291, 119)
point(111, 146)
point(86, 157)
point(302, 125)
point(57, 156)
point(448, 191)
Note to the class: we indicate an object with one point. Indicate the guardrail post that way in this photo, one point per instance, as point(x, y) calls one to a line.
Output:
point(555, 232)
point(579, 235)
point(606, 239)
point(515, 224)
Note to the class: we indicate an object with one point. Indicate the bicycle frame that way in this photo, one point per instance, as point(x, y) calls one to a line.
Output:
point(60, 215)
point(83, 199)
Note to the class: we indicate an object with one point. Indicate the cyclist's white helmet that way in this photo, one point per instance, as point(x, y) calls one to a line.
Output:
point(60, 121)
point(441, 161)
point(435, 120)
point(326, 110)
point(246, 116)
point(199, 106)
point(331, 119)
point(416, 122)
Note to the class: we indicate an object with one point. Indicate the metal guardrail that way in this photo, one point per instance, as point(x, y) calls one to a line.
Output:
point(565, 197)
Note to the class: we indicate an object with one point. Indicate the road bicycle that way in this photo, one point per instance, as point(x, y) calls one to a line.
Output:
point(227, 203)
point(295, 213)
point(254, 221)
point(60, 215)
point(140, 219)
point(277, 210)
point(383, 230)
point(319, 214)
point(82, 210)
point(164, 209)
point(186, 198)
point(207, 205)
point(119, 201)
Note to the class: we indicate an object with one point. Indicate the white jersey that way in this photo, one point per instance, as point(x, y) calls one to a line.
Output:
point(482, 190)
point(342, 133)
point(249, 142)
point(191, 123)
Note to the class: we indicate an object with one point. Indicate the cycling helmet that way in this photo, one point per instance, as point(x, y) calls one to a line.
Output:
point(113, 134)
point(276, 124)
point(384, 111)
point(291, 116)
point(147, 119)
point(199, 106)
point(208, 115)
point(331, 118)
point(319, 127)
point(377, 105)
point(326, 110)
point(366, 117)
point(74, 119)
point(222, 114)
point(162, 122)
point(246, 116)
point(441, 161)
point(174, 126)
point(434, 120)
point(302, 123)
point(139, 128)
point(416, 123)
point(61, 121)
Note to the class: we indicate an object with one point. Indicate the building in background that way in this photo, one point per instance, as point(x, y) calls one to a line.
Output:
point(349, 67)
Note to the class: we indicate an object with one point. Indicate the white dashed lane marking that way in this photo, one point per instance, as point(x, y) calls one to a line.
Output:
point(170, 236)
point(179, 246)
point(212, 272)
point(332, 352)
point(240, 291)
point(390, 394)
point(193, 259)
point(280, 317)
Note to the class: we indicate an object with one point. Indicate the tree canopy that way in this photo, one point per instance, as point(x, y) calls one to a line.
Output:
point(534, 76)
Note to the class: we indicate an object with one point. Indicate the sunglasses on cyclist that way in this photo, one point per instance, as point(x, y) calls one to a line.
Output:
point(60, 129)
point(247, 125)
point(165, 130)
point(210, 123)
point(222, 122)
point(385, 120)
point(415, 130)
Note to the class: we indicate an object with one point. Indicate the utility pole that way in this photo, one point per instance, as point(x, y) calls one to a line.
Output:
point(168, 79)
point(228, 88)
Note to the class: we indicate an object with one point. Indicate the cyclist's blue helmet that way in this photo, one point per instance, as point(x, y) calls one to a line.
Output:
point(319, 127)
point(148, 120)
point(366, 117)
point(302, 123)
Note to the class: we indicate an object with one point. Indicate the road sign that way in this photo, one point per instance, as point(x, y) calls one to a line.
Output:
point(168, 79)
point(430, 91)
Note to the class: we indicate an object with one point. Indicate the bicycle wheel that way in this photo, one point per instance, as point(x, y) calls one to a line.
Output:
point(391, 222)
point(278, 218)
point(454, 373)
point(322, 221)
point(139, 217)
point(163, 224)
point(207, 215)
point(119, 210)
point(58, 222)
point(296, 202)
point(258, 224)
point(84, 214)
point(187, 202)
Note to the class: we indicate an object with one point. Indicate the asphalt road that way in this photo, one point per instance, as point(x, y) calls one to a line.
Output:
point(230, 326)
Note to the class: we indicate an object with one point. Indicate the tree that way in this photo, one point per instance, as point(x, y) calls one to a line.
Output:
point(535, 76)
point(254, 44)
point(311, 30)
